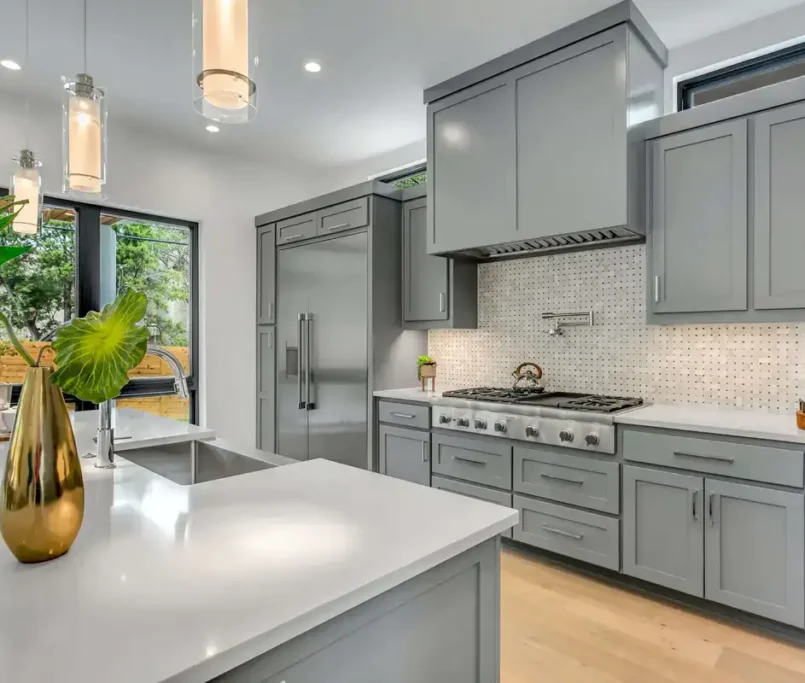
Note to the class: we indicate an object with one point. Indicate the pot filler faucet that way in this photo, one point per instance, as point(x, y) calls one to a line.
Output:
point(106, 432)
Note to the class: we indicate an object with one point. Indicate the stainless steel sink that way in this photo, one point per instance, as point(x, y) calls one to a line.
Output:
point(194, 462)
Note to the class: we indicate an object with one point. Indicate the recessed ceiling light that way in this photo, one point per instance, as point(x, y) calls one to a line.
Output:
point(312, 67)
point(10, 64)
point(213, 129)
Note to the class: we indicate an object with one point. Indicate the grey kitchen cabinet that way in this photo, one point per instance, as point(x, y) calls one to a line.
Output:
point(699, 195)
point(437, 292)
point(484, 460)
point(472, 168)
point(404, 454)
point(346, 216)
point(663, 528)
point(755, 550)
point(266, 275)
point(571, 134)
point(266, 371)
point(779, 207)
point(297, 228)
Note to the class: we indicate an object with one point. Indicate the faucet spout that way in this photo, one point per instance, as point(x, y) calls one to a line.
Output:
point(105, 458)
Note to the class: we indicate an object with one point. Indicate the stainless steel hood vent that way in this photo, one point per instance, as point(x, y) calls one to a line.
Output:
point(594, 239)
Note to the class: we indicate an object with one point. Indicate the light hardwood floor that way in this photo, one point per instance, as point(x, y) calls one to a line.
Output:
point(562, 627)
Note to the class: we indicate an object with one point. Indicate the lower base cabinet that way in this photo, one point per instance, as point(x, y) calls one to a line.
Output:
point(478, 492)
point(735, 544)
point(582, 535)
point(404, 454)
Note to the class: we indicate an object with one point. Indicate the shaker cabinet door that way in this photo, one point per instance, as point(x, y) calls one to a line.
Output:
point(779, 179)
point(699, 220)
point(663, 529)
point(266, 380)
point(404, 454)
point(425, 277)
point(266, 276)
point(755, 550)
point(471, 168)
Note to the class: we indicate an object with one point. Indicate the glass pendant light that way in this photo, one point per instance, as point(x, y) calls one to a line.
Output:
point(26, 183)
point(83, 133)
point(224, 60)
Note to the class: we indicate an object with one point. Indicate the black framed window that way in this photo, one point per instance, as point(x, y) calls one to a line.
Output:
point(758, 72)
point(408, 177)
point(83, 256)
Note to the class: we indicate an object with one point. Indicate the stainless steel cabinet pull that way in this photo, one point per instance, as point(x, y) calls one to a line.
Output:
point(424, 451)
point(569, 481)
point(560, 532)
point(470, 461)
point(717, 458)
point(710, 508)
point(299, 343)
point(404, 416)
point(441, 302)
point(309, 405)
point(339, 226)
point(270, 311)
point(695, 506)
point(291, 237)
point(656, 289)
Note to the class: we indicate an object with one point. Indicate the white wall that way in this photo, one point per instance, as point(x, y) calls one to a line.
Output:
point(224, 194)
point(732, 45)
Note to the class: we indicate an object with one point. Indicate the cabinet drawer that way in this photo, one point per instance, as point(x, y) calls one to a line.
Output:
point(582, 535)
point(712, 456)
point(295, 229)
point(553, 474)
point(477, 460)
point(343, 217)
point(405, 414)
point(477, 492)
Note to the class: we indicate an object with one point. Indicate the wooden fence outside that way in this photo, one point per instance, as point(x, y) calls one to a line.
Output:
point(12, 371)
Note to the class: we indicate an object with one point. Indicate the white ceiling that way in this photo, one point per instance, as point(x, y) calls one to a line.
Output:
point(377, 57)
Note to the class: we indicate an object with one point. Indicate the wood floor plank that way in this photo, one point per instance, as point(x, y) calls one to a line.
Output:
point(559, 626)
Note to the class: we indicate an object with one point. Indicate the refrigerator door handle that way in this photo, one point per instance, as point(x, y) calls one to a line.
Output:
point(299, 369)
point(309, 405)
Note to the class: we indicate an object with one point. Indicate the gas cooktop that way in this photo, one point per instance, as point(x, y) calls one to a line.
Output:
point(536, 396)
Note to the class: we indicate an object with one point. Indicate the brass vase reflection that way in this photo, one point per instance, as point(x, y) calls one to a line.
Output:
point(43, 490)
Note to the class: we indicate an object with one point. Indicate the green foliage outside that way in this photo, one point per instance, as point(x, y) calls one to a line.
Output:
point(38, 290)
point(412, 181)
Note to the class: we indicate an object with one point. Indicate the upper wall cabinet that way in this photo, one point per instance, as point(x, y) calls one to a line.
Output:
point(779, 174)
point(540, 152)
point(726, 237)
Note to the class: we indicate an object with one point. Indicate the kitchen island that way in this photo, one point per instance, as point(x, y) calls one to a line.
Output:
point(307, 572)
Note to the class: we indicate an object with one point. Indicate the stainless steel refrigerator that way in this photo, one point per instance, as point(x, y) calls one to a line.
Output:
point(339, 337)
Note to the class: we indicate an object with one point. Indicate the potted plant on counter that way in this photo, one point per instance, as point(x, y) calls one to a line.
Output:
point(426, 369)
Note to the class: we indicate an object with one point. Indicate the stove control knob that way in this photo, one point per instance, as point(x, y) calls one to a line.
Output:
point(566, 435)
point(463, 422)
point(531, 431)
point(444, 419)
point(592, 439)
point(500, 426)
point(480, 424)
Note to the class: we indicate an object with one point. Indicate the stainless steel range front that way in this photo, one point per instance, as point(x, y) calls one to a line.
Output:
point(579, 421)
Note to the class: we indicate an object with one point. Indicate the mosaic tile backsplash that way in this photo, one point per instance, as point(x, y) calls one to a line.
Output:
point(757, 366)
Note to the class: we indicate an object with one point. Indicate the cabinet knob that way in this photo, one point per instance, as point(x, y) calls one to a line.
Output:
point(531, 431)
point(592, 439)
point(566, 435)
point(500, 427)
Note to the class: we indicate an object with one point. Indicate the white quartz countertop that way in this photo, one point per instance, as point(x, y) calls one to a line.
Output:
point(411, 394)
point(182, 583)
point(754, 424)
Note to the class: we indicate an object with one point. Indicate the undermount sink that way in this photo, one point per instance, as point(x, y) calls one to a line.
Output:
point(193, 462)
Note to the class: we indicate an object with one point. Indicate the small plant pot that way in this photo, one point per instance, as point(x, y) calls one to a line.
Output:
point(428, 372)
point(801, 420)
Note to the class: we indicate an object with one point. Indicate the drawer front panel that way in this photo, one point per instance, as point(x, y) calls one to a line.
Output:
point(474, 460)
point(404, 414)
point(295, 229)
point(477, 492)
point(343, 217)
point(711, 456)
point(582, 535)
point(556, 475)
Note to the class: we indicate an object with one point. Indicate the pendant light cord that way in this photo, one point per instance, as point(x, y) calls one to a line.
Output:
point(85, 36)
point(28, 67)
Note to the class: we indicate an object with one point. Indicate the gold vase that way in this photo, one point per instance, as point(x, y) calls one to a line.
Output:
point(43, 490)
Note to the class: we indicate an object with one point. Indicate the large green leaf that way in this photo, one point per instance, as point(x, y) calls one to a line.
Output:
point(9, 208)
point(94, 354)
point(10, 253)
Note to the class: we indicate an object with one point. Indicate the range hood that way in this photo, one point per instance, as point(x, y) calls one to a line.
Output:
point(593, 239)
